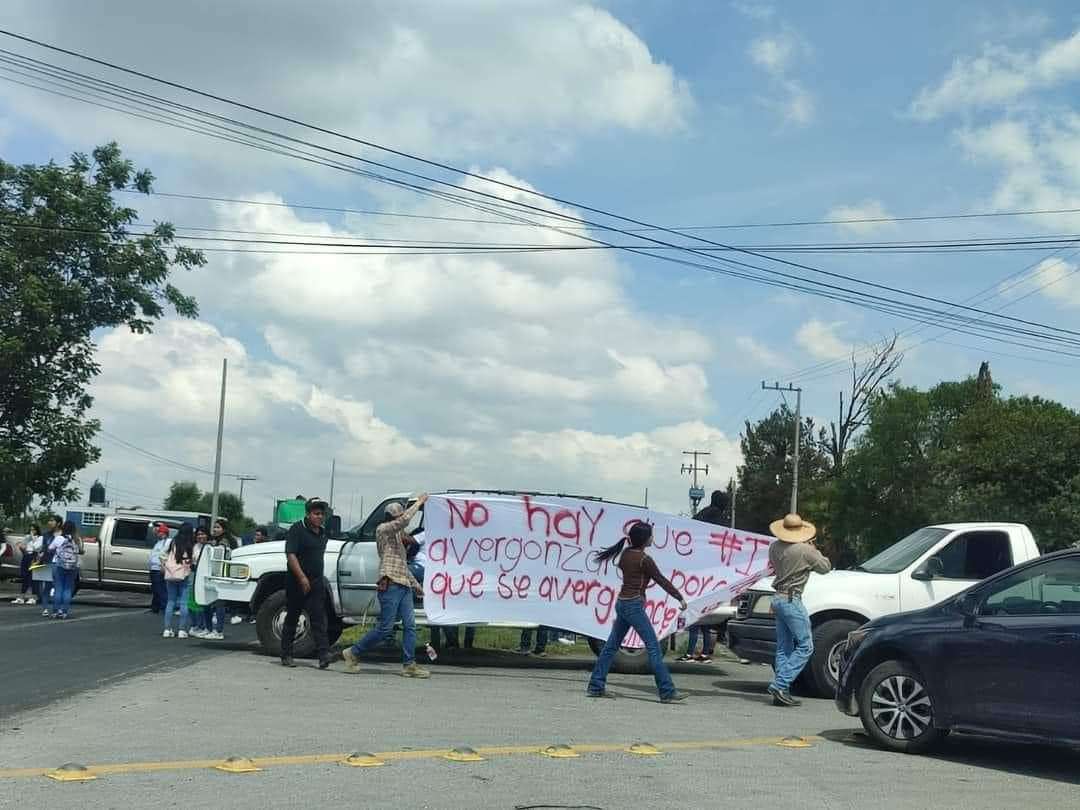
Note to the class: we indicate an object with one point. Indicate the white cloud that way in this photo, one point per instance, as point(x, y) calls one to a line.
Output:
point(462, 80)
point(778, 54)
point(753, 10)
point(758, 352)
point(821, 341)
point(998, 76)
point(867, 209)
point(1055, 279)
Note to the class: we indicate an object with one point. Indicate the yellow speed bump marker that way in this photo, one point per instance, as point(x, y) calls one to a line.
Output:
point(560, 752)
point(463, 754)
point(794, 742)
point(362, 759)
point(238, 765)
point(644, 749)
point(72, 772)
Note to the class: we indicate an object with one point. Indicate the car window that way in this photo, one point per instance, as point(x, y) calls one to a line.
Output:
point(133, 534)
point(367, 528)
point(900, 555)
point(1047, 589)
point(976, 555)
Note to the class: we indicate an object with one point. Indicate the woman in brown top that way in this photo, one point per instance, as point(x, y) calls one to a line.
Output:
point(638, 569)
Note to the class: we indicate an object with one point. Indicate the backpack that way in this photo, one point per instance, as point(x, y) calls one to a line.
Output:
point(171, 568)
point(67, 555)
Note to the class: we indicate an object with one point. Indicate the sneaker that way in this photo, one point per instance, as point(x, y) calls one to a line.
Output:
point(569, 642)
point(675, 697)
point(18, 601)
point(703, 659)
point(251, 620)
point(46, 614)
point(324, 663)
point(523, 651)
point(352, 663)
point(215, 636)
point(286, 661)
point(414, 670)
point(182, 634)
point(236, 620)
point(167, 634)
point(783, 698)
point(687, 657)
point(197, 632)
point(540, 653)
point(32, 600)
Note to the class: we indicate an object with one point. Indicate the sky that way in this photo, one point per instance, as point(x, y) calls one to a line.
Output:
point(584, 372)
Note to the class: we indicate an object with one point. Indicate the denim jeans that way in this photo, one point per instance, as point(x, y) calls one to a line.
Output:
point(217, 612)
point(794, 640)
point(177, 595)
point(395, 603)
point(630, 613)
point(541, 640)
point(63, 588)
point(158, 596)
point(708, 644)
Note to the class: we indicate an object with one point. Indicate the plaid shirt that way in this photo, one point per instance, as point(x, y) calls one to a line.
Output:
point(390, 538)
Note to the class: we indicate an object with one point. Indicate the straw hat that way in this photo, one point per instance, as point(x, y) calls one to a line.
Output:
point(793, 529)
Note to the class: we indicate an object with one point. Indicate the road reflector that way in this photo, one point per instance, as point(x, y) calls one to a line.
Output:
point(72, 772)
point(794, 742)
point(463, 754)
point(560, 752)
point(238, 765)
point(644, 749)
point(362, 759)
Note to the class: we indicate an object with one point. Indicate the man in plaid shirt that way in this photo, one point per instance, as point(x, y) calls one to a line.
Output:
point(396, 587)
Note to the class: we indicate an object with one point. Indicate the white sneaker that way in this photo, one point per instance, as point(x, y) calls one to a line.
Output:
point(182, 634)
point(236, 620)
point(197, 633)
point(32, 600)
point(18, 601)
point(216, 636)
point(167, 634)
point(45, 613)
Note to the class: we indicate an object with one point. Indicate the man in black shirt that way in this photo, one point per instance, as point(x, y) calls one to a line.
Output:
point(305, 586)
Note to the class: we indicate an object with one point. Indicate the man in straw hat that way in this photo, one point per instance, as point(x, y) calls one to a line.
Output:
point(792, 560)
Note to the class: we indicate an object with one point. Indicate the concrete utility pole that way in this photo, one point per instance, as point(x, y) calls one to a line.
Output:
point(798, 426)
point(333, 469)
point(733, 485)
point(696, 492)
point(242, 479)
point(220, 433)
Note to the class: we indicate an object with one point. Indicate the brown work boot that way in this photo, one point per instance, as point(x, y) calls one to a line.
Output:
point(413, 670)
point(352, 663)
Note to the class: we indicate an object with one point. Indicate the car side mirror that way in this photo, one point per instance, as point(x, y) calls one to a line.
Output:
point(929, 570)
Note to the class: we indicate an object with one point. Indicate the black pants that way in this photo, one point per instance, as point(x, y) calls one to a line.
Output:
point(314, 602)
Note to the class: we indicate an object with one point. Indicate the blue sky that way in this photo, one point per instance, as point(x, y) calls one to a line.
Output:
point(584, 373)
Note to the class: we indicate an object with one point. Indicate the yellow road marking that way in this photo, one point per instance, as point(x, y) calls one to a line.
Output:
point(395, 756)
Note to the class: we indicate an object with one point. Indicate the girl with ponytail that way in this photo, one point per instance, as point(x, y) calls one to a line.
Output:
point(638, 570)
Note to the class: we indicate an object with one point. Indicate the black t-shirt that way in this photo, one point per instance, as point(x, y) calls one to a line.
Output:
point(308, 547)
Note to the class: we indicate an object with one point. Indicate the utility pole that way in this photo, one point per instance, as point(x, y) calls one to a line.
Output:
point(333, 469)
point(242, 479)
point(798, 426)
point(733, 485)
point(220, 433)
point(696, 492)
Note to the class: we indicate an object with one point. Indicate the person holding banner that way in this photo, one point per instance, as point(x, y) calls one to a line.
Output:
point(792, 560)
point(395, 592)
point(638, 570)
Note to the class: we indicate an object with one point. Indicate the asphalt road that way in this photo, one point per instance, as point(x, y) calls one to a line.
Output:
point(156, 715)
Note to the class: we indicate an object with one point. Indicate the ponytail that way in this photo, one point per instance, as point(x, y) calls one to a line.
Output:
point(610, 552)
point(637, 537)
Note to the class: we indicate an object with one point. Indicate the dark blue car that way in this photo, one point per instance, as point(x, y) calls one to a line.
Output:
point(1001, 658)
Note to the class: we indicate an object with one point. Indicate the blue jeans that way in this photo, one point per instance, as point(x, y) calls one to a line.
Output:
point(705, 632)
point(395, 603)
point(217, 615)
point(794, 641)
point(630, 613)
point(63, 588)
point(177, 595)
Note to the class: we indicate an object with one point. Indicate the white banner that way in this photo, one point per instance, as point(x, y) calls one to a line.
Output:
point(532, 559)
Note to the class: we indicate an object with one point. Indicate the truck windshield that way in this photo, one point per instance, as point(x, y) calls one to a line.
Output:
point(900, 555)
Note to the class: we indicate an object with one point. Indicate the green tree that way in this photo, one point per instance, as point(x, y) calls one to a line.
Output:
point(69, 265)
point(184, 496)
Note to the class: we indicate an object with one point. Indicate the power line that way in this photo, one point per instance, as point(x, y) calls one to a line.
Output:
point(897, 308)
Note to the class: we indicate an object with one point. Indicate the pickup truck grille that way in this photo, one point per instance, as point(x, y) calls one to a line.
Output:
point(743, 606)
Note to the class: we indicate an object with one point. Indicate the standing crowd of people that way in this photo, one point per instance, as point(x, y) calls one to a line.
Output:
point(49, 569)
point(174, 560)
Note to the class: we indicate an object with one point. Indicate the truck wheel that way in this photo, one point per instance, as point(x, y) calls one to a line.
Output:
point(269, 623)
point(823, 672)
point(896, 709)
point(632, 661)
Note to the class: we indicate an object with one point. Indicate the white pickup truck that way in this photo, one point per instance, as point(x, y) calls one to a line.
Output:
point(255, 576)
point(927, 566)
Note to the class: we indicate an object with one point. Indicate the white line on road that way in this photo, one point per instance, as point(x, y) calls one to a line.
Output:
point(43, 622)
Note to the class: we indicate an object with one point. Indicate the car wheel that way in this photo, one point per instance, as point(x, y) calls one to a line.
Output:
point(630, 660)
point(896, 709)
point(270, 621)
point(823, 672)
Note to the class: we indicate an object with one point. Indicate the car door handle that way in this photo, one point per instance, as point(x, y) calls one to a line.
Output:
point(1064, 638)
point(117, 552)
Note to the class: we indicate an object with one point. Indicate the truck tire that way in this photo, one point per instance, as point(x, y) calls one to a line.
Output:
point(271, 617)
point(631, 662)
point(896, 709)
point(821, 673)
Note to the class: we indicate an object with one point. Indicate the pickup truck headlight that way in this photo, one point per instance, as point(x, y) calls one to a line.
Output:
point(237, 570)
